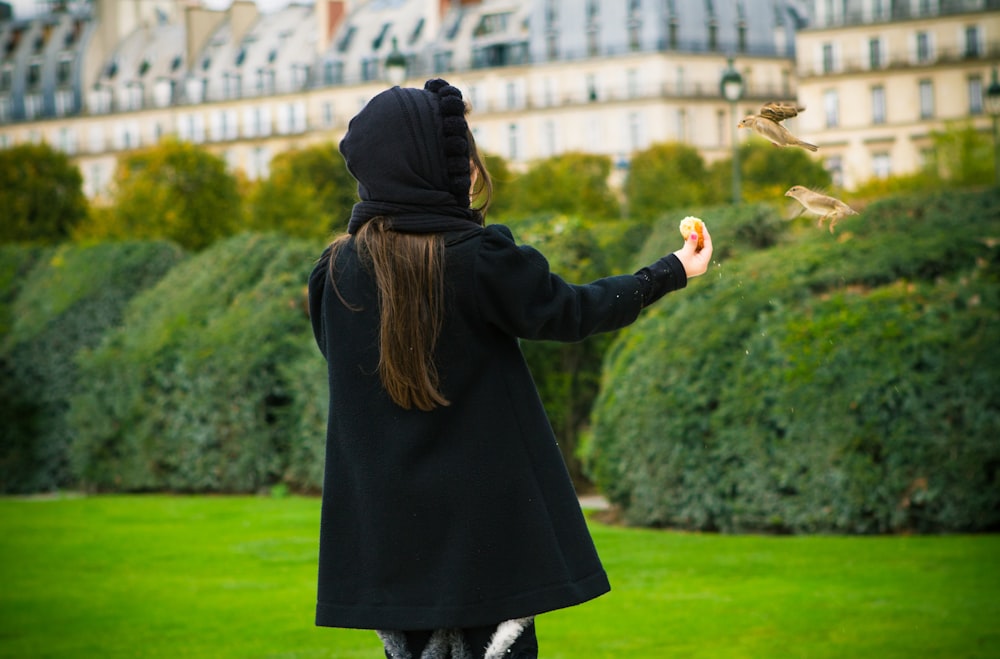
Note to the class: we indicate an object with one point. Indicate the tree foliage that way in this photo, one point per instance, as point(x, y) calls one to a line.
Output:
point(824, 384)
point(569, 184)
point(176, 191)
point(190, 394)
point(41, 194)
point(71, 296)
point(767, 171)
point(309, 194)
point(666, 176)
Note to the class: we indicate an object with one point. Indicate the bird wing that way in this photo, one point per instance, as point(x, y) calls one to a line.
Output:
point(779, 111)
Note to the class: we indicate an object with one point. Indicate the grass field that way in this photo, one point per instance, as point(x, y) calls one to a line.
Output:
point(219, 577)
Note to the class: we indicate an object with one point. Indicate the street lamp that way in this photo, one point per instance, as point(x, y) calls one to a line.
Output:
point(731, 87)
point(395, 65)
point(992, 101)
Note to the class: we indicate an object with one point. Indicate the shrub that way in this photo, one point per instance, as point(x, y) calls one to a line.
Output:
point(174, 191)
point(41, 194)
point(67, 301)
point(191, 394)
point(828, 384)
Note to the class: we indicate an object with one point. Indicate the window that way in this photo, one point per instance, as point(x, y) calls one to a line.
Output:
point(720, 124)
point(65, 102)
point(224, 125)
point(512, 103)
point(975, 95)
point(673, 30)
point(133, 96)
point(191, 128)
point(513, 137)
point(741, 36)
point(926, 99)
point(96, 138)
point(632, 83)
point(64, 72)
point(34, 74)
point(32, 106)
point(875, 59)
point(923, 47)
point(835, 166)
point(260, 163)
point(880, 165)
point(634, 131)
point(831, 108)
point(326, 111)
point(681, 126)
point(828, 58)
point(66, 141)
point(878, 104)
point(127, 135)
point(593, 41)
point(713, 35)
point(591, 87)
point(972, 48)
point(549, 139)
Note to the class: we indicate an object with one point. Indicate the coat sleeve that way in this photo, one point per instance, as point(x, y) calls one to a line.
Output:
point(317, 287)
point(517, 292)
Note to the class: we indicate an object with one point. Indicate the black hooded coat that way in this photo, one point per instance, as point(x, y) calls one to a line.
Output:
point(465, 515)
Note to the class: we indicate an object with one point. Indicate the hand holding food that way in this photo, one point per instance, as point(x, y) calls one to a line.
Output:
point(691, 225)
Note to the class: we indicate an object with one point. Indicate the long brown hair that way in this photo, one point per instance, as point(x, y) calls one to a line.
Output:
point(409, 274)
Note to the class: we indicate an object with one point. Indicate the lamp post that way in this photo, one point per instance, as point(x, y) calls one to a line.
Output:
point(731, 87)
point(991, 99)
point(395, 65)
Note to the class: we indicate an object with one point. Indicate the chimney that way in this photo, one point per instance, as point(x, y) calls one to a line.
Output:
point(329, 16)
point(199, 26)
point(242, 16)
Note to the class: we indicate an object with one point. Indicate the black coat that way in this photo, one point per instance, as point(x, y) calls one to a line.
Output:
point(465, 515)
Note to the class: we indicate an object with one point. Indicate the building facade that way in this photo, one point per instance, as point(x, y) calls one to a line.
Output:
point(877, 78)
point(544, 77)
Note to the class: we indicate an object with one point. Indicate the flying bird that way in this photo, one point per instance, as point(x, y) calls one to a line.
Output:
point(826, 207)
point(768, 124)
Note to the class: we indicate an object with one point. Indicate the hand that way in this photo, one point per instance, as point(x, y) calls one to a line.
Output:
point(695, 263)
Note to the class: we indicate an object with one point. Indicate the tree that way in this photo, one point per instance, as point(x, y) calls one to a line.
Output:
point(567, 374)
point(40, 193)
point(503, 201)
point(665, 176)
point(571, 183)
point(176, 191)
point(768, 171)
point(309, 194)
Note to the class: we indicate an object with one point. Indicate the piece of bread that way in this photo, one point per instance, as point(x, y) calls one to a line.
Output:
point(691, 225)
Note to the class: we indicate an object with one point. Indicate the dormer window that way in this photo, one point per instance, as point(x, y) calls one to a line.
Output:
point(176, 63)
point(143, 67)
point(377, 42)
point(417, 30)
point(492, 24)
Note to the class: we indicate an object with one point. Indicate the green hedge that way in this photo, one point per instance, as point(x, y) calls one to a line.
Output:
point(194, 392)
point(56, 302)
point(842, 383)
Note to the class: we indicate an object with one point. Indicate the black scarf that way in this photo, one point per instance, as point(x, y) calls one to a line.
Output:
point(408, 150)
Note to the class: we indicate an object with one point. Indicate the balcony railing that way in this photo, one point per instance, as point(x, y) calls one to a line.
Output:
point(904, 11)
point(899, 60)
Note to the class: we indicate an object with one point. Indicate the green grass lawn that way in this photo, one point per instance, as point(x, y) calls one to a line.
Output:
point(217, 577)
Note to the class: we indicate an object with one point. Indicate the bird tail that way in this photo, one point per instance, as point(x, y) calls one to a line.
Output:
point(806, 145)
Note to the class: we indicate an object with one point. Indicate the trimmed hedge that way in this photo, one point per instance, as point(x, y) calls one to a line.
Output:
point(57, 301)
point(843, 383)
point(194, 393)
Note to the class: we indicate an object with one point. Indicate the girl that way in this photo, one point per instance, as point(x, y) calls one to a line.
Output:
point(449, 520)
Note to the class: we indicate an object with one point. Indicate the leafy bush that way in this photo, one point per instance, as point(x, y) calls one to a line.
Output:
point(41, 194)
point(309, 194)
point(840, 383)
point(191, 394)
point(67, 301)
point(568, 374)
point(174, 191)
point(571, 184)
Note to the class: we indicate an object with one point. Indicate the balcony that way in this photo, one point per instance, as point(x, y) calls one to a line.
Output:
point(899, 61)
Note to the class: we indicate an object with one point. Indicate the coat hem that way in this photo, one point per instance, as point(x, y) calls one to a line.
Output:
point(438, 616)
